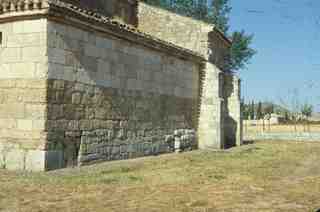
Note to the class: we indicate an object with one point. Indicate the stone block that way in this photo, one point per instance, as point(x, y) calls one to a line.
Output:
point(11, 55)
point(24, 124)
point(39, 125)
point(30, 26)
point(12, 110)
point(54, 160)
point(8, 124)
point(34, 53)
point(15, 159)
point(56, 55)
point(35, 111)
point(35, 160)
point(91, 50)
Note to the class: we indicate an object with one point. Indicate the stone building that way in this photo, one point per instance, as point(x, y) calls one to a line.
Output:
point(92, 80)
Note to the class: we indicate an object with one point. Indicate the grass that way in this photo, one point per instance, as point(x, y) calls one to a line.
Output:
point(264, 176)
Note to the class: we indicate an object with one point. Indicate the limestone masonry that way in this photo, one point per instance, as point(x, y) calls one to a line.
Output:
point(84, 81)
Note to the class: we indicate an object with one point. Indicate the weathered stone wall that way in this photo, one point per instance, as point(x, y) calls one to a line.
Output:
point(23, 71)
point(79, 87)
point(108, 92)
point(180, 30)
point(219, 101)
point(211, 125)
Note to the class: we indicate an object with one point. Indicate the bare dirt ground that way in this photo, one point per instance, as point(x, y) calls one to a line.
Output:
point(263, 176)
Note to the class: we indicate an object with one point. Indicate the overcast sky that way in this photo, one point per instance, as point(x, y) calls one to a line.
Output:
point(287, 38)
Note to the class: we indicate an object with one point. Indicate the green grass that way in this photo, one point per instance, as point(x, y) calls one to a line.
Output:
point(264, 176)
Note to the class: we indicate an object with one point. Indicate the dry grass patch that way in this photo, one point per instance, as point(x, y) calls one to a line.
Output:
point(264, 176)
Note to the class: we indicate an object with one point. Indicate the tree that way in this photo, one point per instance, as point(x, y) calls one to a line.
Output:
point(306, 110)
point(286, 116)
point(242, 107)
point(193, 8)
point(245, 109)
point(185, 7)
point(259, 111)
point(219, 15)
point(292, 102)
point(252, 111)
point(269, 109)
point(240, 52)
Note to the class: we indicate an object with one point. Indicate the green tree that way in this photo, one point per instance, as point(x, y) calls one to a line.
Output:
point(240, 51)
point(185, 7)
point(219, 14)
point(259, 111)
point(269, 109)
point(286, 116)
point(244, 109)
point(252, 111)
point(307, 109)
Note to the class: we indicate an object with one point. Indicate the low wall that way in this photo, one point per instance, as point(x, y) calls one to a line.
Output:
point(106, 145)
point(261, 122)
point(284, 136)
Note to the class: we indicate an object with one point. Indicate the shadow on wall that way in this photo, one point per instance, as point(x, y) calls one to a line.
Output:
point(91, 95)
point(230, 124)
point(230, 132)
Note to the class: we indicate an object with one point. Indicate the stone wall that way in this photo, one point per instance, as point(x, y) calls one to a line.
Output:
point(184, 31)
point(180, 30)
point(219, 97)
point(211, 126)
point(107, 92)
point(78, 88)
point(22, 94)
